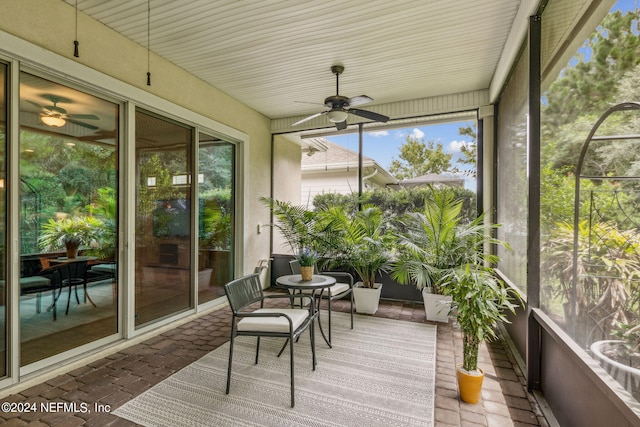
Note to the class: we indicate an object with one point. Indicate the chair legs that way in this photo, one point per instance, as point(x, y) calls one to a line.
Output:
point(233, 333)
point(351, 310)
point(329, 315)
point(292, 369)
point(329, 311)
point(290, 340)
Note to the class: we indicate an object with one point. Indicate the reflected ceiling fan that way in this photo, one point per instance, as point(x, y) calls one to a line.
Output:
point(52, 115)
point(340, 106)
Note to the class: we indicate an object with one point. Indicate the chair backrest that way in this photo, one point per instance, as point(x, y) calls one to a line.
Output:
point(75, 270)
point(295, 267)
point(243, 291)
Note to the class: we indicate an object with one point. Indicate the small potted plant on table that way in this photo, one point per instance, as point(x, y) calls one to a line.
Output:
point(307, 259)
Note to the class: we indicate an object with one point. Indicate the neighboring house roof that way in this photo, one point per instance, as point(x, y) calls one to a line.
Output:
point(327, 167)
point(338, 158)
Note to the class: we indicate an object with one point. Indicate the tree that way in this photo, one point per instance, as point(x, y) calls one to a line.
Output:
point(589, 86)
point(469, 152)
point(419, 158)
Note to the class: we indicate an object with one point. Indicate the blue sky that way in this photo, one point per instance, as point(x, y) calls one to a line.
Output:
point(384, 146)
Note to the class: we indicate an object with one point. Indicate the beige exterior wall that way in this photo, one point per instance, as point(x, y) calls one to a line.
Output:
point(51, 26)
point(286, 181)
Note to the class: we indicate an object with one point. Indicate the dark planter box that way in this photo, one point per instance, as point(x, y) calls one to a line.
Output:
point(395, 291)
point(390, 290)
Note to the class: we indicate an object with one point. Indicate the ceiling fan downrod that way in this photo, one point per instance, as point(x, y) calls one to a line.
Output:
point(337, 70)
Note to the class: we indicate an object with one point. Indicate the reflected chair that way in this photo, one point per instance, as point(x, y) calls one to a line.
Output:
point(74, 274)
point(245, 295)
point(342, 288)
point(44, 279)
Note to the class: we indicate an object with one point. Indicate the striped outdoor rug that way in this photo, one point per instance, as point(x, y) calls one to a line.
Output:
point(381, 373)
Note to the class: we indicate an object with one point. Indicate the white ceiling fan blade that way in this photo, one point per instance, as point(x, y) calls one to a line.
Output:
point(313, 116)
point(359, 100)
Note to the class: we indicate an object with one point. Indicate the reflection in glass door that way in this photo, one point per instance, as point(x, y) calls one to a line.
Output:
point(163, 218)
point(215, 225)
point(68, 193)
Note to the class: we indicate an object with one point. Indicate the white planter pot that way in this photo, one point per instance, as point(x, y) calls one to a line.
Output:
point(627, 376)
point(436, 307)
point(367, 299)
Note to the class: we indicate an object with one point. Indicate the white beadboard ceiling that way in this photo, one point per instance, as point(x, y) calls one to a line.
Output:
point(275, 55)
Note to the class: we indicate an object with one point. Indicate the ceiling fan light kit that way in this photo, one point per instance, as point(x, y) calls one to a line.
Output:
point(340, 106)
point(53, 121)
point(52, 115)
point(336, 116)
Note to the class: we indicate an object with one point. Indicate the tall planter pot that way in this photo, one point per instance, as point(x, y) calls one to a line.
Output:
point(436, 307)
point(470, 385)
point(627, 376)
point(367, 299)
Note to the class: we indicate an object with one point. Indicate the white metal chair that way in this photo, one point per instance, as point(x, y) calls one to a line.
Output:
point(244, 294)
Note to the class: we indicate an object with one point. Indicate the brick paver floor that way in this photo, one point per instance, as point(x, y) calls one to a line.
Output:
point(113, 380)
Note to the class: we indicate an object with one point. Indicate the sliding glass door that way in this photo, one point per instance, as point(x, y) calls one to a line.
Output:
point(163, 218)
point(216, 159)
point(68, 194)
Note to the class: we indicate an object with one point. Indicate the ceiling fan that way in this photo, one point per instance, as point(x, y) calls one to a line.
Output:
point(52, 115)
point(341, 106)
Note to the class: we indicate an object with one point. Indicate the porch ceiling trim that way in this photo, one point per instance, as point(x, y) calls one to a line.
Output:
point(395, 110)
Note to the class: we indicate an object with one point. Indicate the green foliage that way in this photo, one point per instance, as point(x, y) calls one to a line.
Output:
point(420, 158)
point(71, 230)
point(59, 174)
point(479, 302)
point(469, 151)
point(215, 225)
point(297, 224)
point(360, 241)
point(590, 85)
point(105, 208)
point(398, 202)
point(628, 352)
point(435, 240)
point(215, 163)
point(307, 257)
point(161, 166)
point(608, 273)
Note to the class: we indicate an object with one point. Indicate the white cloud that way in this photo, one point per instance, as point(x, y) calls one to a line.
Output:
point(417, 133)
point(456, 146)
point(378, 133)
point(399, 134)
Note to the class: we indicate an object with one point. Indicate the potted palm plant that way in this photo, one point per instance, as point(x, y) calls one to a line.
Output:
point(434, 242)
point(361, 242)
point(299, 228)
point(70, 232)
point(480, 300)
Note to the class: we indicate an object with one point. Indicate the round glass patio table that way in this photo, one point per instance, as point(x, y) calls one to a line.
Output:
point(314, 287)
